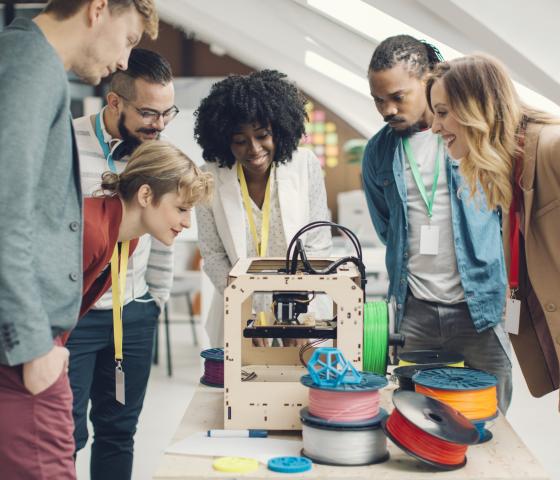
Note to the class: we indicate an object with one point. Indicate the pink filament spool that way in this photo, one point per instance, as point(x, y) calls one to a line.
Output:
point(343, 406)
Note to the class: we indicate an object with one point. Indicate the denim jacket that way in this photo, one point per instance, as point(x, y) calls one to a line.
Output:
point(476, 230)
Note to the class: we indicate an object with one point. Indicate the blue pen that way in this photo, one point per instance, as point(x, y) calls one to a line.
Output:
point(238, 433)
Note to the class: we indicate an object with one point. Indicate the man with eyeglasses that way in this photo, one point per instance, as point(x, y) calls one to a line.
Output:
point(140, 104)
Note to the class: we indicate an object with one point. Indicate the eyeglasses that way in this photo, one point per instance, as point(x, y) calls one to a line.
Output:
point(150, 116)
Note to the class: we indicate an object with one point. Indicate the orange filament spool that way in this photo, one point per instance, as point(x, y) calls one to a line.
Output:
point(475, 405)
point(471, 392)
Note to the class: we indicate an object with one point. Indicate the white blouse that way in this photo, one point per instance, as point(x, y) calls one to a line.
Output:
point(217, 264)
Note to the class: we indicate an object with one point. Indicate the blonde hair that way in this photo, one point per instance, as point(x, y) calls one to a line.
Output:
point(63, 9)
point(484, 101)
point(164, 168)
point(148, 10)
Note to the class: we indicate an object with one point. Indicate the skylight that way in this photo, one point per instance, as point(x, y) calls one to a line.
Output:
point(336, 72)
point(360, 17)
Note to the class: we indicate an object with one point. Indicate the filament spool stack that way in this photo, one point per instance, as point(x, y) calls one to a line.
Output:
point(342, 424)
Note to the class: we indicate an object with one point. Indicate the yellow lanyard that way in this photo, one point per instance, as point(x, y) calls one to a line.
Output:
point(118, 284)
point(261, 246)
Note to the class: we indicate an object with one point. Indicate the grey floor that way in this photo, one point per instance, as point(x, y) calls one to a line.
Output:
point(537, 421)
point(164, 406)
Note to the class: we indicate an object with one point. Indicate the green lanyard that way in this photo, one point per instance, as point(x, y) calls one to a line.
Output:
point(418, 178)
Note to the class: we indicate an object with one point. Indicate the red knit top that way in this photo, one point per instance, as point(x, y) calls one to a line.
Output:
point(102, 219)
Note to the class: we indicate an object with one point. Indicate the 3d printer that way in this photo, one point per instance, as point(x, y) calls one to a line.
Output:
point(261, 383)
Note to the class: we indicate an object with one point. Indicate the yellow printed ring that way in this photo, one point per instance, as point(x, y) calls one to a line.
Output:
point(235, 464)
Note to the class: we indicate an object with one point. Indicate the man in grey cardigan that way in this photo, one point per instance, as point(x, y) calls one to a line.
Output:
point(40, 217)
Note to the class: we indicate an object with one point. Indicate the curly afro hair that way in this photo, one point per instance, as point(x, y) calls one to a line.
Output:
point(265, 98)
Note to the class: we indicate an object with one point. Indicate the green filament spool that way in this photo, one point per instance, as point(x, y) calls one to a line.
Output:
point(376, 337)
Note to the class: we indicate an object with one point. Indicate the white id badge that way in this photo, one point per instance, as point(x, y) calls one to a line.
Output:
point(119, 385)
point(429, 240)
point(513, 312)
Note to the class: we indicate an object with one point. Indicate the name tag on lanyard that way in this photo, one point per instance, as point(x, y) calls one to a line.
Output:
point(119, 384)
point(513, 305)
point(513, 313)
point(118, 285)
point(429, 240)
point(429, 234)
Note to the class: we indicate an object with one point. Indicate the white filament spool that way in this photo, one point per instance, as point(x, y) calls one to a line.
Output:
point(344, 445)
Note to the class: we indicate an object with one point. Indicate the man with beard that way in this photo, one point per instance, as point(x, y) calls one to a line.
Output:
point(444, 255)
point(139, 106)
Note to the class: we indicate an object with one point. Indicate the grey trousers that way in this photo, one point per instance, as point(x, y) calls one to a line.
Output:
point(435, 326)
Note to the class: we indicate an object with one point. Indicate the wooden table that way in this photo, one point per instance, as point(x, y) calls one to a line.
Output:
point(504, 457)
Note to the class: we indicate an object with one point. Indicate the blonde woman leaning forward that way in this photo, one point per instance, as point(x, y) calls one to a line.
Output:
point(513, 152)
point(154, 194)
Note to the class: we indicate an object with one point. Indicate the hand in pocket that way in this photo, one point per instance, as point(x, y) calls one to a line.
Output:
point(42, 372)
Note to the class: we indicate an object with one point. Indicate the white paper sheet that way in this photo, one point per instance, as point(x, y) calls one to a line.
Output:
point(261, 449)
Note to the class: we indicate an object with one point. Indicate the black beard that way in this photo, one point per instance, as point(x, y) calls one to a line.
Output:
point(409, 131)
point(129, 141)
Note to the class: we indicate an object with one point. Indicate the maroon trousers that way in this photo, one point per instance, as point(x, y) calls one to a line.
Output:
point(36, 431)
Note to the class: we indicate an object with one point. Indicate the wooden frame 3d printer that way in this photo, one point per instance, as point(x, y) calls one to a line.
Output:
point(262, 388)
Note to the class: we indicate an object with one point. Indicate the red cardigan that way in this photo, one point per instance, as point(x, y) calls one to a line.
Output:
point(102, 219)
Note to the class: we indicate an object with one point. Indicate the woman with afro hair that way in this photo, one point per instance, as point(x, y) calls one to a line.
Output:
point(249, 128)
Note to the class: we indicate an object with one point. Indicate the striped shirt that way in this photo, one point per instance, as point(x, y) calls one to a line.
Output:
point(151, 266)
